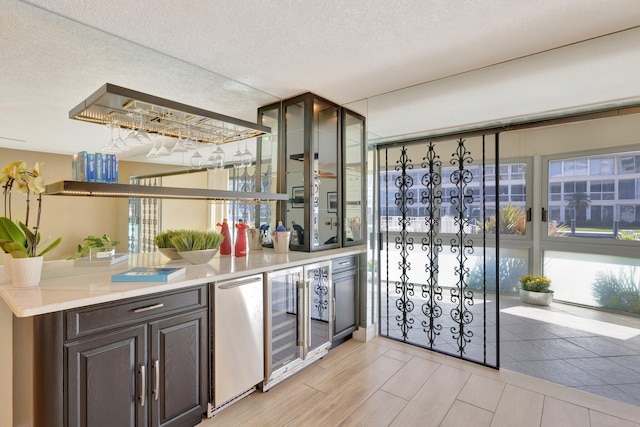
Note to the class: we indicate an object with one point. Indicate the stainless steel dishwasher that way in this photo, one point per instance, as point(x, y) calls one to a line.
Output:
point(238, 354)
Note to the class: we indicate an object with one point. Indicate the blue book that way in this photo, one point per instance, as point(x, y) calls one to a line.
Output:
point(115, 170)
point(91, 167)
point(108, 168)
point(149, 274)
point(99, 168)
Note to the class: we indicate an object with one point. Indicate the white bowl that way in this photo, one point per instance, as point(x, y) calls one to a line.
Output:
point(198, 257)
point(170, 253)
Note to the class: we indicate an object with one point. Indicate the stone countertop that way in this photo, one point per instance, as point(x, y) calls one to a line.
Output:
point(66, 285)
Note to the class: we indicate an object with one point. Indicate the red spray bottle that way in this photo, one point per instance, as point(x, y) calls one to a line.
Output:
point(225, 247)
point(241, 239)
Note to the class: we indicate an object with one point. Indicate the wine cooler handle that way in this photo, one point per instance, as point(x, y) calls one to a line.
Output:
point(301, 311)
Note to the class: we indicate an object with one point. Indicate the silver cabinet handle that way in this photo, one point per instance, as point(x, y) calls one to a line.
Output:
point(151, 307)
point(156, 390)
point(143, 380)
point(301, 319)
point(345, 263)
point(307, 311)
point(333, 309)
point(239, 283)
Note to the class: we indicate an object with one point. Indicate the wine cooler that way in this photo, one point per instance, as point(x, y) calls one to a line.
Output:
point(298, 319)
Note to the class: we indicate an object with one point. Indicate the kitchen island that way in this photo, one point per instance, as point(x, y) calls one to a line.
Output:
point(74, 315)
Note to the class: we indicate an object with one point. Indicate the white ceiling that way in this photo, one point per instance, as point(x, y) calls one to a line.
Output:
point(342, 50)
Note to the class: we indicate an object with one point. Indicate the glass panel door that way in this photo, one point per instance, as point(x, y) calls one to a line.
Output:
point(282, 323)
point(319, 308)
point(437, 269)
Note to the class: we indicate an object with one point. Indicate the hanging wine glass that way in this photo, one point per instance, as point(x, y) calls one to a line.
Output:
point(188, 142)
point(179, 145)
point(237, 158)
point(196, 158)
point(247, 156)
point(142, 135)
point(218, 157)
point(154, 150)
point(163, 150)
point(110, 146)
point(119, 142)
point(132, 138)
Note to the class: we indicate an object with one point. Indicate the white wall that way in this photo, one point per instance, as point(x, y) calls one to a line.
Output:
point(598, 71)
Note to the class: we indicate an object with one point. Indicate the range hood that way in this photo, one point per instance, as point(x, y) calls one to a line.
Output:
point(130, 109)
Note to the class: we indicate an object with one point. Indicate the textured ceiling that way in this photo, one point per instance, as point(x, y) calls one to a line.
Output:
point(234, 56)
point(349, 50)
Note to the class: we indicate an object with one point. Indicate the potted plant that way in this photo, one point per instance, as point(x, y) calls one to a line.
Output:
point(19, 239)
point(163, 242)
point(535, 289)
point(197, 247)
point(90, 243)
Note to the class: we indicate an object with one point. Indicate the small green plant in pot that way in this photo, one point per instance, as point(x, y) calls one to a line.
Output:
point(163, 242)
point(92, 242)
point(197, 247)
point(535, 289)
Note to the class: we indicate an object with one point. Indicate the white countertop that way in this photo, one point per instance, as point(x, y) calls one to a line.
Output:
point(65, 285)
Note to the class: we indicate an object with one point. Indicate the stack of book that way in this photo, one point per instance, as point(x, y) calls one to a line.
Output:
point(95, 167)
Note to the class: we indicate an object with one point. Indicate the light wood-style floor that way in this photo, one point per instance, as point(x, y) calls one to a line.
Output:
point(387, 383)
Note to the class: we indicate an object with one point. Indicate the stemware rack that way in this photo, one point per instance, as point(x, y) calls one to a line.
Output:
point(130, 109)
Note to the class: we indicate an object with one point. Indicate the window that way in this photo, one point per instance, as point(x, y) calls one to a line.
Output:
point(555, 192)
point(594, 204)
point(630, 164)
point(555, 168)
point(601, 166)
point(627, 189)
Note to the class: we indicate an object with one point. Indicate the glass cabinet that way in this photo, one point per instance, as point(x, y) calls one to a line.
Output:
point(321, 158)
point(353, 178)
point(267, 162)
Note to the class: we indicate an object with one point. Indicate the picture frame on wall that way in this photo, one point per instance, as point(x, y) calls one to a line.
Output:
point(332, 202)
point(297, 197)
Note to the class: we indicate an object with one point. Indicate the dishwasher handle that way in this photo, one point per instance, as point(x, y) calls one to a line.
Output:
point(238, 283)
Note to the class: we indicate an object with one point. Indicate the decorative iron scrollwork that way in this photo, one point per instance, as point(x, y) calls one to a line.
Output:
point(431, 196)
point(321, 289)
point(461, 245)
point(403, 199)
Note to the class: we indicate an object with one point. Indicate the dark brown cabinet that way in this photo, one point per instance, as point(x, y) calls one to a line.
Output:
point(345, 284)
point(137, 362)
point(100, 380)
point(178, 362)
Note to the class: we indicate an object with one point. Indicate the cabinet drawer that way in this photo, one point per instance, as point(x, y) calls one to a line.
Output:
point(97, 318)
point(344, 263)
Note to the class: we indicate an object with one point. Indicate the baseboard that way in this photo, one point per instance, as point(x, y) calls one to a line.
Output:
point(366, 334)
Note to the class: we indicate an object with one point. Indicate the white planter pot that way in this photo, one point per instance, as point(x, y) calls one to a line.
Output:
point(26, 271)
point(536, 298)
point(6, 261)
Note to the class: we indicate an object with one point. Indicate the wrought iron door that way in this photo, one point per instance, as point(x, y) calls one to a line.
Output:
point(435, 200)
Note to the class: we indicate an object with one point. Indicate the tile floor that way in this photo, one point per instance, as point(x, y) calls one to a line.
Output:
point(590, 350)
point(387, 383)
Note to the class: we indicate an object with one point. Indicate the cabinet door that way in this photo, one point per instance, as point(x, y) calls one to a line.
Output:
point(318, 313)
point(178, 370)
point(282, 338)
point(344, 288)
point(106, 380)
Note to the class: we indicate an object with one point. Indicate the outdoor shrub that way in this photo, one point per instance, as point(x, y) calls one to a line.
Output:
point(617, 292)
